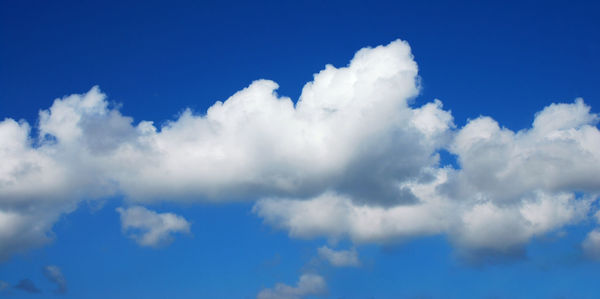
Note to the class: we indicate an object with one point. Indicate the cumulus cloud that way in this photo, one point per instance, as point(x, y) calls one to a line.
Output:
point(254, 144)
point(28, 286)
point(559, 153)
point(510, 187)
point(308, 285)
point(54, 275)
point(353, 157)
point(149, 228)
point(339, 258)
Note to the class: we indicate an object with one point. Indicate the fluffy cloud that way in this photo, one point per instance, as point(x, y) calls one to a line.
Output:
point(339, 258)
point(509, 188)
point(149, 228)
point(352, 158)
point(54, 275)
point(254, 144)
point(308, 284)
point(559, 153)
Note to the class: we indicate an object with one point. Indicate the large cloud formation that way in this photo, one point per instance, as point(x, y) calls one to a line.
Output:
point(352, 158)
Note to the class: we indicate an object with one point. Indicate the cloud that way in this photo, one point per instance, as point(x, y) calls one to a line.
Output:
point(149, 228)
point(591, 244)
point(510, 187)
point(20, 231)
point(308, 285)
point(339, 258)
point(28, 286)
point(54, 275)
point(557, 154)
point(337, 216)
point(482, 227)
point(352, 158)
point(254, 144)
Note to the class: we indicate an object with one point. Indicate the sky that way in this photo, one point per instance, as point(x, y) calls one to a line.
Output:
point(310, 149)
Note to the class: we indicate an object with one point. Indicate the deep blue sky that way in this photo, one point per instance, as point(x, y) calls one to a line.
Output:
point(505, 60)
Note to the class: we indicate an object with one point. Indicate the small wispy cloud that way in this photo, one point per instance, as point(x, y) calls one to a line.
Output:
point(149, 228)
point(308, 285)
point(339, 258)
point(54, 275)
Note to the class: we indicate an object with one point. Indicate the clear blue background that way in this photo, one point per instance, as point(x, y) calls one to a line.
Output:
point(497, 58)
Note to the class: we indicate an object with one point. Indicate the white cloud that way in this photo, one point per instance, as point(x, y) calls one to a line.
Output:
point(479, 228)
point(339, 258)
point(510, 187)
point(337, 216)
point(352, 158)
point(488, 227)
point(591, 244)
point(475, 225)
point(308, 284)
point(254, 144)
point(149, 228)
point(54, 275)
point(553, 156)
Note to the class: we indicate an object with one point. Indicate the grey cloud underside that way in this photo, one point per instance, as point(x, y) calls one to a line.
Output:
point(351, 159)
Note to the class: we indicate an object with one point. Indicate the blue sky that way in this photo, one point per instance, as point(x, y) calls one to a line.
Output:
point(249, 222)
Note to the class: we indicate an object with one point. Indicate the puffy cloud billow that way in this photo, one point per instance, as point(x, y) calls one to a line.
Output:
point(352, 158)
